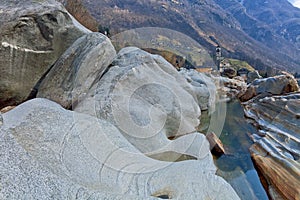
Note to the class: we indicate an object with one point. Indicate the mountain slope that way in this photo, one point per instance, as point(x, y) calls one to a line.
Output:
point(274, 23)
point(239, 27)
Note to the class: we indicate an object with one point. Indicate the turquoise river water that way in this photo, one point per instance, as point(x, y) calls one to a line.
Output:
point(236, 167)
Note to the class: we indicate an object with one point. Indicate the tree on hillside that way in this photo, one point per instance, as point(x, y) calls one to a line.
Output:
point(104, 30)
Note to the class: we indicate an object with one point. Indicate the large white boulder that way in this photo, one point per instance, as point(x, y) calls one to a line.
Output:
point(49, 152)
point(203, 87)
point(146, 98)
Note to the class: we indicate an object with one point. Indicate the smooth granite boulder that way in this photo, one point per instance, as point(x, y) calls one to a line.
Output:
point(146, 98)
point(203, 87)
point(49, 152)
point(33, 34)
point(74, 73)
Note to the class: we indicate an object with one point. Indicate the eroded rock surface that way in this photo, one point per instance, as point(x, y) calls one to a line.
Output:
point(145, 98)
point(203, 87)
point(229, 88)
point(33, 34)
point(281, 174)
point(74, 73)
point(276, 151)
point(50, 152)
point(229, 72)
point(276, 85)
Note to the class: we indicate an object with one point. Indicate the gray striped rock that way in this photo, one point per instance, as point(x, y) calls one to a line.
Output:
point(33, 34)
point(276, 85)
point(276, 150)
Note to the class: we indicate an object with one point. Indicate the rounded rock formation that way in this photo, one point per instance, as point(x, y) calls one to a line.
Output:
point(75, 72)
point(32, 36)
point(52, 152)
point(276, 85)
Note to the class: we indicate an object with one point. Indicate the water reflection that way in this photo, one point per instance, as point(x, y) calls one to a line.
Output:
point(236, 167)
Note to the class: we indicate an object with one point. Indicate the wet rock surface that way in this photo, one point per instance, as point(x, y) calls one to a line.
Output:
point(33, 34)
point(215, 143)
point(276, 149)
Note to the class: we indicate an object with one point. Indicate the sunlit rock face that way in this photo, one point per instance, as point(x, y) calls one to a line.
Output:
point(276, 149)
point(228, 88)
point(32, 36)
point(48, 152)
point(203, 87)
point(276, 85)
point(74, 73)
point(146, 98)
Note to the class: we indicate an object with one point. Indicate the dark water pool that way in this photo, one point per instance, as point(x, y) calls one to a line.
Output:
point(236, 167)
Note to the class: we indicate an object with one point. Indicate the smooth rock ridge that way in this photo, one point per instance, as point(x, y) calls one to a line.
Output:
point(50, 152)
point(276, 150)
point(74, 73)
point(146, 98)
point(276, 85)
point(203, 87)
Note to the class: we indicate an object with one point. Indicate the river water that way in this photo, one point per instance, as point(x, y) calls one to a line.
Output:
point(236, 167)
